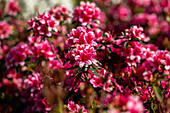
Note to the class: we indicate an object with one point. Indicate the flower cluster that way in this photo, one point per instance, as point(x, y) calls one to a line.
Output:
point(80, 66)
point(43, 25)
point(33, 100)
point(135, 33)
point(76, 108)
point(87, 14)
point(42, 49)
point(81, 35)
point(60, 13)
point(5, 30)
point(130, 104)
point(151, 14)
point(13, 8)
point(82, 54)
point(82, 42)
point(16, 55)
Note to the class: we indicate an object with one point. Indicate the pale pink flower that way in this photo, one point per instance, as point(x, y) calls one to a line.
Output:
point(13, 7)
point(5, 30)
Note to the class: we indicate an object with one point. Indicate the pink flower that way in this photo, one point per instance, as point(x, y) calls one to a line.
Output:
point(5, 30)
point(87, 14)
point(134, 105)
point(81, 35)
point(72, 106)
point(136, 33)
point(13, 7)
point(17, 55)
point(148, 76)
point(153, 20)
point(96, 82)
point(3, 50)
point(140, 18)
point(33, 100)
point(144, 92)
point(76, 108)
point(32, 81)
point(60, 13)
point(81, 55)
point(124, 13)
point(43, 49)
point(144, 3)
point(43, 25)
point(55, 64)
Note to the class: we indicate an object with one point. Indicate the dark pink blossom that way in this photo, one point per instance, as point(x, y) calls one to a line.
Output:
point(81, 35)
point(96, 82)
point(16, 55)
point(43, 25)
point(124, 13)
point(60, 13)
point(144, 3)
point(13, 7)
point(43, 49)
point(81, 55)
point(87, 14)
point(135, 33)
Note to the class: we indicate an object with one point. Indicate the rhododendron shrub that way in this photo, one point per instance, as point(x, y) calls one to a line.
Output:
point(70, 64)
point(153, 15)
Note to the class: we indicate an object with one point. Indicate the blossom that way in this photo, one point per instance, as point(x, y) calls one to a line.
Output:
point(82, 54)
point(5, 30)
point(87, 13)
point(16, 55)
point(60, 13)
point(43, 25)
point(76, 108)
point(134, 105)
point(124, 13)
point(136, 33)
point(81, 35)
point(96, 82)
point(13, 7)
point(33, 100)
point(43, 49)
point(144, 3)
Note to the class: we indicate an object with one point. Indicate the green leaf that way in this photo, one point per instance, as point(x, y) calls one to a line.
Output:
point(103, 34)
point(94, 104)
point(94, 72)
point(158, 93)
point(74, 67)
point(166, 75)
point(109, 43)
point(99, 47)
point(126, 44)
point(95, 67)
point(109, 49)
point(161, 80)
